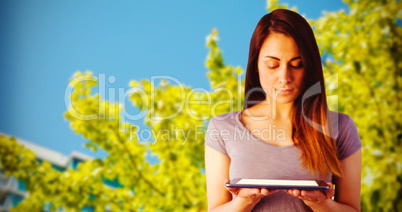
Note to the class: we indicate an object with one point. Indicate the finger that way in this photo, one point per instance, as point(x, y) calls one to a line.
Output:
point(309, 194)
point(313, 195)
point(329, 193)
point(254, 191)
point(234, 191)
point(290, 191)
point(265, 191)
point(248, 192)
point(231, 190)
point(300, 197)
point(296, 192)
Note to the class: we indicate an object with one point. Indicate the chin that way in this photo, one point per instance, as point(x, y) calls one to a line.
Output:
point(285, 100)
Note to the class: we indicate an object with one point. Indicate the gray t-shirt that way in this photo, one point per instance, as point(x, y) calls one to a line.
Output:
point(253, 158)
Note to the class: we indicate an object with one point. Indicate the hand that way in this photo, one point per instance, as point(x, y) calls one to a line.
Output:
point(253, 195)
point(312, 197)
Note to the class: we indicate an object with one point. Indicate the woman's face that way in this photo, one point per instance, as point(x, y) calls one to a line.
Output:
point(280, 68)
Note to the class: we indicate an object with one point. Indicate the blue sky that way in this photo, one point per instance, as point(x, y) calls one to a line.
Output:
point(42, 43)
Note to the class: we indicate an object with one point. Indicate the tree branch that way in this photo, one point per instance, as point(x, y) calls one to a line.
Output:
point(135, 164)
point(177, 176)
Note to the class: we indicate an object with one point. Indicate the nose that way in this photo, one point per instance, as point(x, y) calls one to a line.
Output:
point(285, 75)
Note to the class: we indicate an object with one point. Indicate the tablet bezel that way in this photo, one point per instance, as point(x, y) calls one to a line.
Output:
point(321, 185)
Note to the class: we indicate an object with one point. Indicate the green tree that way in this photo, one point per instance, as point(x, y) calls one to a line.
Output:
point(366, 46)
point(176, 183)
point(363, 47)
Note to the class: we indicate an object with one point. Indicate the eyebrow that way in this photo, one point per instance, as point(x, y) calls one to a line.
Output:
point(275, 58)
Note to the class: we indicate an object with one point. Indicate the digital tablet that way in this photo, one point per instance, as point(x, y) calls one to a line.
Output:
point(278, 184)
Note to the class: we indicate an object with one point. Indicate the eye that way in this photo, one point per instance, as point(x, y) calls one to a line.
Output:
point(272, 65)
point(297, 64)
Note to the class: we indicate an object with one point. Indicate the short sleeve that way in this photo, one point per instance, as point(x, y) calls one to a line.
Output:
point(348, 141)
point(213, 138)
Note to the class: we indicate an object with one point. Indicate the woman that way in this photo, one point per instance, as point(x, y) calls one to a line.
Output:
point(285, 130)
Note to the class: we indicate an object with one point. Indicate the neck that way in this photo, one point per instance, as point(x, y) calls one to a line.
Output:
point(276, 110)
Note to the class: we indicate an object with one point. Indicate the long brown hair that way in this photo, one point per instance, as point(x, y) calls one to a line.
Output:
point(316, 143)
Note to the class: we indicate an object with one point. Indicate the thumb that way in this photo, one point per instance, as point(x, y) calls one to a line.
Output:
point(231, 190)
point(330, 192)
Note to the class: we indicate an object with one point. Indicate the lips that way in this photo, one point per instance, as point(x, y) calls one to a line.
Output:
point(284, 90)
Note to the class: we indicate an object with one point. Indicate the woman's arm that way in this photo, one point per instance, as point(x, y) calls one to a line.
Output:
point(347, 191)
point(219, 198)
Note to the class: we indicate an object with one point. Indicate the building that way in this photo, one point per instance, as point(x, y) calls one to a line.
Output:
point(13, 191)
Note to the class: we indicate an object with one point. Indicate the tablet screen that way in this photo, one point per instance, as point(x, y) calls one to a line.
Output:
point(277, 182)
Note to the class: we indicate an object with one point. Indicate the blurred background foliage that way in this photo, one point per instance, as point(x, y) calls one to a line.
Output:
point(362, 47)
